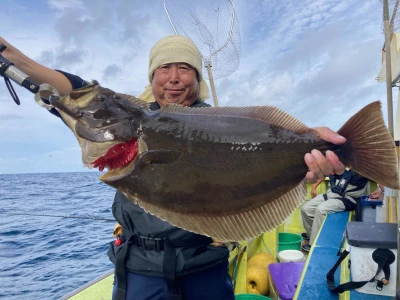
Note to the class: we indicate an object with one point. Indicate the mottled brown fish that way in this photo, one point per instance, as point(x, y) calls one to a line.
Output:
point(228, 172)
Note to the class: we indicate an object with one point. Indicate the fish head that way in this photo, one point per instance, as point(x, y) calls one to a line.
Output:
point(106, 125)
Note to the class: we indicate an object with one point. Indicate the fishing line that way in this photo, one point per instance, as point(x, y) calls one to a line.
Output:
point(56, 216)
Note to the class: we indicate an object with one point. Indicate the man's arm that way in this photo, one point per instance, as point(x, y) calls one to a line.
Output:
point(39, 73)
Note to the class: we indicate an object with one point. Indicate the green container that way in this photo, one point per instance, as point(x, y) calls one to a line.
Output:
point(289, 241)
point(250, 297)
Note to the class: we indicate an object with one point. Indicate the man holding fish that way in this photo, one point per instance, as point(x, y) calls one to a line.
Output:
point(153, 258)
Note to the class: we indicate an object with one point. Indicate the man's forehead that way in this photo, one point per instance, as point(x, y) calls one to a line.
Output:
point(178, 63)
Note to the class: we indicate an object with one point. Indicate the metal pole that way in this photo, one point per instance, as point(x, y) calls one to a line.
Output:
point(396, 136)
point(210, 76)
point(388, 35)
point(388, 66)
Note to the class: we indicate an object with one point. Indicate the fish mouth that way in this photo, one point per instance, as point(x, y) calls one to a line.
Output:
point(118, 159)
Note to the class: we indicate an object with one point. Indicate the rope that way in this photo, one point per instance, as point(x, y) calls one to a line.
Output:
point(11, 90)
point(4, 211)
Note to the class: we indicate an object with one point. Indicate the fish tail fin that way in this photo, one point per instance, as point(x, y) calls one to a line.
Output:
point(370, 149)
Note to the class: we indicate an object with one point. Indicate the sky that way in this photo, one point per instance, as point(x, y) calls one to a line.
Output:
point(316, 60)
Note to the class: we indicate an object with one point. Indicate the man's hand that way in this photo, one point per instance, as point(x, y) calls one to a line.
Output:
point(314, 192)
point(8, 51)
point(319, 165)
point(378, 194)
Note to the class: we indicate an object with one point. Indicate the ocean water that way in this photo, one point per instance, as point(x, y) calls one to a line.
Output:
point(52, 240)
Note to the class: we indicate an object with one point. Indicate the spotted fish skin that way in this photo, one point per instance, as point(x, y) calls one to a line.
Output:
point(228, 172)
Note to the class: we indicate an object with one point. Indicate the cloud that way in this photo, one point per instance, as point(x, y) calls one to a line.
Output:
point(307, 57)
point(111, 71)
point(317, 60)
point(65, 4)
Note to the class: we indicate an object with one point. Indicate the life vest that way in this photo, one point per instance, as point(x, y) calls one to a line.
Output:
point(347, 188)
point(339, 183)
point(150, 246)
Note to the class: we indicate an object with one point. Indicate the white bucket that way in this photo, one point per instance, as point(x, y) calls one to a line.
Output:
point(290, 255)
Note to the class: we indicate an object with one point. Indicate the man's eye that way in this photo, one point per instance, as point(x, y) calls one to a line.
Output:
point(186, 68)
point(163, 67)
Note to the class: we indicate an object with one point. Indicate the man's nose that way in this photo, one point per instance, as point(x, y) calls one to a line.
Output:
point(174, 74)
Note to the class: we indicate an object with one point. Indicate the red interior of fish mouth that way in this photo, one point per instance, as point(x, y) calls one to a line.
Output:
point(117, 156)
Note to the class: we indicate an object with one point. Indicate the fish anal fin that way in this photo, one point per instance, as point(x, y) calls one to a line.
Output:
point(239, 226)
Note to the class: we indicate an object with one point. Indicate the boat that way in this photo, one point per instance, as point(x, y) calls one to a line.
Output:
point(99, 288)
point(317, 262)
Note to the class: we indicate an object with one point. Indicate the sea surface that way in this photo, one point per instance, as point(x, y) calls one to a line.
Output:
point(53, 238)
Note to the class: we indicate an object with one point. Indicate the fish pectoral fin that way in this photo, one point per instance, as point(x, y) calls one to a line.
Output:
point(160, 156)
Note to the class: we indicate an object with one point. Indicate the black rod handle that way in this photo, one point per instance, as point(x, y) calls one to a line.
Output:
point(8, 70)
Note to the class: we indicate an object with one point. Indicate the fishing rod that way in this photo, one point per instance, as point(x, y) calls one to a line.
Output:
point(4, 211)
point(9, 71)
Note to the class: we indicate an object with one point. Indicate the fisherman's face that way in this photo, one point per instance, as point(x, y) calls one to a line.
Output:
point(175, 83)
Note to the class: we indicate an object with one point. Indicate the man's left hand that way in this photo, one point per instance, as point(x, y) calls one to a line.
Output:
point(319, 165)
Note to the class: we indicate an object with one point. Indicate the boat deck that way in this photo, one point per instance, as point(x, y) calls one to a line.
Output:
point(99, 289)
point(312, 284)
point(322, 258)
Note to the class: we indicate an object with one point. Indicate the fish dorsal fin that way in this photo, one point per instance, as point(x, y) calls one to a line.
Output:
point(269, 114)
point(141, 103)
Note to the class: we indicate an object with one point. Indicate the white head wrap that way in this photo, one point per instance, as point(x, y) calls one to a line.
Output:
point(173, 49)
